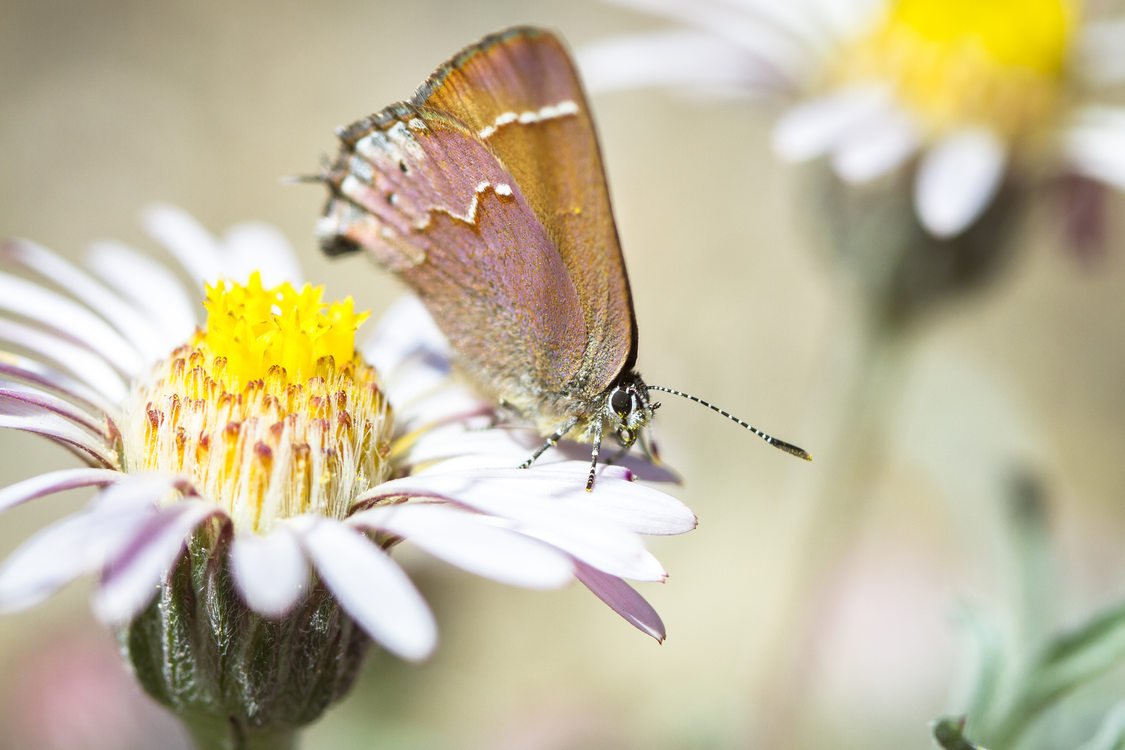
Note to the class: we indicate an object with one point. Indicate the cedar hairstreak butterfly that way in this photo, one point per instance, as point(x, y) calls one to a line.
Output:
point(485, 194)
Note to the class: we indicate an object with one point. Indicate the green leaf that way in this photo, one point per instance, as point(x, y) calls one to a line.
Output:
point(980, 691)
point(1111, 733)
point(1067, 662)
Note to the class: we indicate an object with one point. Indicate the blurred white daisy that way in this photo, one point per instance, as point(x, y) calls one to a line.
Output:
point(266, 425)
point(976, 91)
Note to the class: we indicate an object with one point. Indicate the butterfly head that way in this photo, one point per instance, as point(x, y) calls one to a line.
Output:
point(628, 408)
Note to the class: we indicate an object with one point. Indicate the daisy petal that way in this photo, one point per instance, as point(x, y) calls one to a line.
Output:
point(36, 399)
point(404, 329)
point(270, 570)
point(543, 504)
point(1095, 145)
point(957, 179)
point(624, 600)
point(58, 554)
point(817, 126)
point(674, 58)
point(473, 542)
point(877, 149)
point(187, 241)
point(446, 405)
point(139, 492)
point(80, 285)
point(496, 448)
point(28, 370)
point(371, 588)
point(85, 364)
point(151, 287)
point(1099, 49)
point(55, 481)
point(63, 315)
point(18, 414)
point(133, 576)
point(255, 246)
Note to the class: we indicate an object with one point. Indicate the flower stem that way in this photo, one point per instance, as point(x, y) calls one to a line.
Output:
point(219, 733)
point(829, 519)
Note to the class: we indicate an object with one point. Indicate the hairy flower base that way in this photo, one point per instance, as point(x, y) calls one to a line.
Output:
point(270, 448)
point(898, 266)
point(198, 649)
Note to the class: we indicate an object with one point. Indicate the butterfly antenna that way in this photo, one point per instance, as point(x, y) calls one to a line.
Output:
point(779, 444)
point(304, 179)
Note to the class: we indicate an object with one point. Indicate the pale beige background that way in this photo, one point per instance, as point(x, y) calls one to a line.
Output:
point(108, 106)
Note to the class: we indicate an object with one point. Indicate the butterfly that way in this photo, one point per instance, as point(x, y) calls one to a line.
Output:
point(485, 193)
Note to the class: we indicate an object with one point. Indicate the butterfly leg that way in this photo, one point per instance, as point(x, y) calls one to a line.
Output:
point(594, 456)
point(551, 441)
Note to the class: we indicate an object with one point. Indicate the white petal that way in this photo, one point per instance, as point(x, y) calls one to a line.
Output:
point(61, 552)
point(55, 481)
point(270, 570)
point(1100, 52)
point(187, 241)
point(817, 126)
point(17, 367)
point(445, 405)
point(150, 285)
point(957, 179)
point(640, 509)
point(497, 448)
point(254, 246)
point(83, 363)
point(138, 492)
point(124, 318)
point(473, 542)
point(843, 19)
point(1095, 145)
point(36, 399)
point(133, 574)
point(372, 589)
point(623, 600)
point(406, 332)
point(675, 58)
point(16, 414)
point(765, 32)
point(69, 319)
point(543, 505)
point(877, 149)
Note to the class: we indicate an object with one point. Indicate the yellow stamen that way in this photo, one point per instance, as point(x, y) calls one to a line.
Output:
point(257, 410)
point(999, 64)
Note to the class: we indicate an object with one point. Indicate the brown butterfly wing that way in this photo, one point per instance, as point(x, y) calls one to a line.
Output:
point(431, 202)
point(519, 92)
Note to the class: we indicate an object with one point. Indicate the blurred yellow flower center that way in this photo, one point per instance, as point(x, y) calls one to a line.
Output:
point(269, 409)
point(993, 63)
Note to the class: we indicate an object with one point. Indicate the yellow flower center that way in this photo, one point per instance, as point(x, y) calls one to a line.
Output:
point(268, 409)
point(993, 63)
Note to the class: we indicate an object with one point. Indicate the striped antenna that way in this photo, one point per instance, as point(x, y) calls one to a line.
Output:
point(779, 444)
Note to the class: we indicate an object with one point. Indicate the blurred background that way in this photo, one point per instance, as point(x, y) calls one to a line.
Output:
point(109, 106)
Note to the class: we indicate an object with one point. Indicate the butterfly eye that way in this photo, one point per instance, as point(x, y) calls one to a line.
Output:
point(620, 402)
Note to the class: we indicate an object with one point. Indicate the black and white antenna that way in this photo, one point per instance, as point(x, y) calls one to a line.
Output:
point(779, 444)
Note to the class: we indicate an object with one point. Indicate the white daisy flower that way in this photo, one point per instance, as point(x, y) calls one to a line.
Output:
point(971, 93)
point(266, 430)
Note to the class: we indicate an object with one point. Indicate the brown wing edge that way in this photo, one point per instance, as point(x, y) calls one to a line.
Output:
point(437, 78)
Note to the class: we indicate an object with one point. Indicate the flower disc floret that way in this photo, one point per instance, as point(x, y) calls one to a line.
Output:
point(268, 408)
